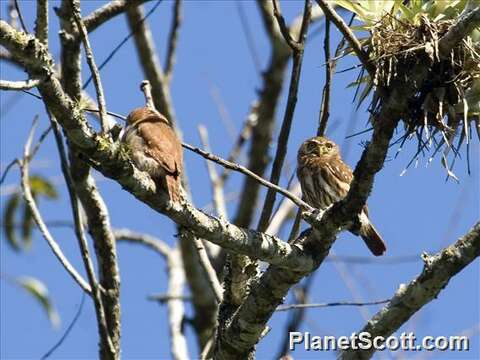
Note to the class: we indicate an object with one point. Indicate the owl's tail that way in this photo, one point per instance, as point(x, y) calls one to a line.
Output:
point(174, 187)
point(373, 239)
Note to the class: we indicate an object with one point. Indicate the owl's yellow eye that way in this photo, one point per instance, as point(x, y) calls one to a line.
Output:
point(329, 145)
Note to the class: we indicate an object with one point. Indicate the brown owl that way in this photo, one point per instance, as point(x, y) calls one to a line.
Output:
point(156, 149)
point(325, 179)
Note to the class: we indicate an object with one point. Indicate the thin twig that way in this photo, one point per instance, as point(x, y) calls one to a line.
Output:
point(283, 26)
point(323, 305)
point(331, 14)
point(300, 293)
point(242, 138)
point(106, 341)
point(249, 37)
point(325, 105)
point(18, 85)
point(118, 116)
point(41, 25)
point(217, 185)
point(245, 171)
point(7, 169)
point(91, 63)
point(22, 22)
point(172, 39)
point(121, 43)
point(67, 331)
point(30, 201)
point(289, 112)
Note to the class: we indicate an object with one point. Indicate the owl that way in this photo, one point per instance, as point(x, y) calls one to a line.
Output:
point(325, 179)
point(156, 149)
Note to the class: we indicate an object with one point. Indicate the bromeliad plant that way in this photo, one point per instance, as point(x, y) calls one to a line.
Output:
point(402, 34)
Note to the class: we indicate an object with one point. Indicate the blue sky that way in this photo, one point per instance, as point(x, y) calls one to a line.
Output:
point(416, 212)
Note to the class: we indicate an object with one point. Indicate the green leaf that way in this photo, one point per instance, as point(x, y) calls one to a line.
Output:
point(43, 186)
point(9, 221)
point(40, 292)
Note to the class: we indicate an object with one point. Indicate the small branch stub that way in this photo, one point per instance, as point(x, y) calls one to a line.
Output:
point(147, 91)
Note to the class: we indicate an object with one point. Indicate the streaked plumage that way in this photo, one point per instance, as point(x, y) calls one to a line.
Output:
point(155, 148)
point(325, 179)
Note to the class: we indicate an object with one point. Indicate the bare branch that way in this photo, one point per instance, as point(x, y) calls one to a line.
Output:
point(106, 346)
point(176, 279)
point(19, 85)
point(332, 304)
point(283, 26)
point(248, 36)
point(41, 24)
point(172, 39)
point(149, 241)
point(243, 136)
point(150, 62)
point(283, 212)
point(176, 310)
point(91, 63)
point(209, 270)
point(244, 170)
point(348, 34)
point(437, 272)
point(107, 12)
point(288, 117)
point(325, 105)
point(30, 201)
point(217, 185)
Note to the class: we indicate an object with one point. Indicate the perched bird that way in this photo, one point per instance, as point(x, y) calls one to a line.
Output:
point(325, 179)
point(156, 149)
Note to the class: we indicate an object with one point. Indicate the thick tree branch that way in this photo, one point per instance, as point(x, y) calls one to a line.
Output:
point(437, 272)
point(464, 26)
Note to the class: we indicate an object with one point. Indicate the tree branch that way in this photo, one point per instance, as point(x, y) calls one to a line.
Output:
point(348, 34)
point(172, 39)
point(150, 63)
point(108, 12)
point(233, 166)
point(289, 112)
point(30, 201)
point(91, 63)
point(41, 24)
point(464, 26)
point(19, 85)
point(332, 304)
point(106, 347)
point(437, 272)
